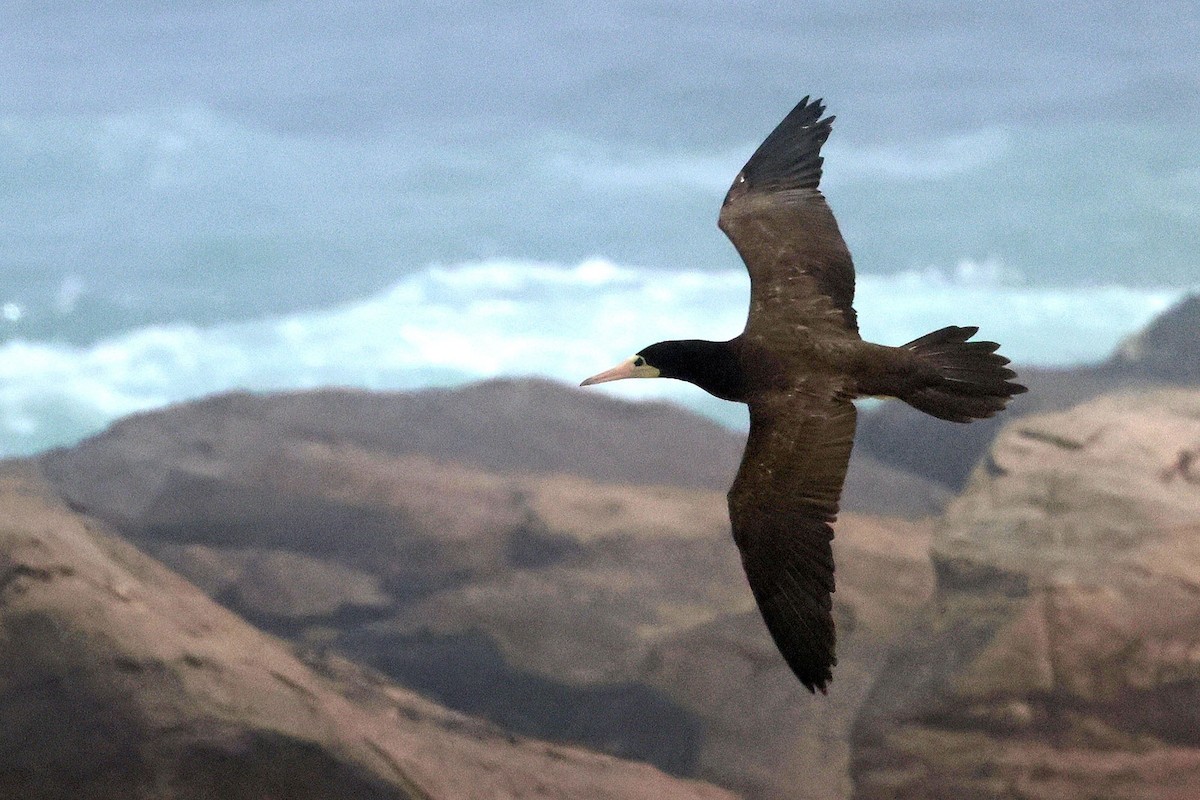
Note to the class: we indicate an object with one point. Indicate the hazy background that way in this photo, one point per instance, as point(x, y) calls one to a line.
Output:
point(287, 194)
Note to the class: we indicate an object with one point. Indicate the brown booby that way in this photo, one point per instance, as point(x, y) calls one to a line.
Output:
point(798, 365)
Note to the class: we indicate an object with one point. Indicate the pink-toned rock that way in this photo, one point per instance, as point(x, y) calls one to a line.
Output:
point(121, 680)
point(1060, 657)
point(604, 613)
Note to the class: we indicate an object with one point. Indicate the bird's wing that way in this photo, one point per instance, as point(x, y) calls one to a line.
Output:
point(781, 505)
point(800, 269)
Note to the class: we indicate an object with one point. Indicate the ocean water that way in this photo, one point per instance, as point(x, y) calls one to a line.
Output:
point(279, 196)
point(451, 324)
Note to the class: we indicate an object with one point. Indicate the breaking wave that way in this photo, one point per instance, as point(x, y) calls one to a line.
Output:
point(447, 325)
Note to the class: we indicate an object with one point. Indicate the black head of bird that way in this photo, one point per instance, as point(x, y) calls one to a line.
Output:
point(799, 363)
point(713, 366)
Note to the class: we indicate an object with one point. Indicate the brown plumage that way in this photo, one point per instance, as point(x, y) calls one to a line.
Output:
point(798, 364)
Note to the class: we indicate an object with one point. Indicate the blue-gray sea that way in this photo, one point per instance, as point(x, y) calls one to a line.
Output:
point(275, 195)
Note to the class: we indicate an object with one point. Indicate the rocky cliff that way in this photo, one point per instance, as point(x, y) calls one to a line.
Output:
point(1060, 655)
point(556, 604)
point(121, 680)
point(502, 426)
point(560, 563)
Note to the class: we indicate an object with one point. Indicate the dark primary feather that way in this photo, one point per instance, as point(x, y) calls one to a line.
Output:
point(801, 272)
point(781, 503)
point(790, 157)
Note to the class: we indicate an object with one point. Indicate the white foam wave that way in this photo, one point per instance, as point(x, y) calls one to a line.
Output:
point(451, 324)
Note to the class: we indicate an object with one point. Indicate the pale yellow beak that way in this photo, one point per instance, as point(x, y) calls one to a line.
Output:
point(625, 369)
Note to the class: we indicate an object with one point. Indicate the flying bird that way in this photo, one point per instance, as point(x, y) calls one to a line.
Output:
point(798, 365)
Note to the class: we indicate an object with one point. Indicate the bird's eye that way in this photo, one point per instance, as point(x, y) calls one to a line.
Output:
point(639, 362)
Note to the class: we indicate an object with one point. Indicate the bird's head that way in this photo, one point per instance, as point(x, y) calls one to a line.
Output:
point(712, 366)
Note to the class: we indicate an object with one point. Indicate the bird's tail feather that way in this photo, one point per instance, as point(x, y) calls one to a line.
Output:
point(972, 381)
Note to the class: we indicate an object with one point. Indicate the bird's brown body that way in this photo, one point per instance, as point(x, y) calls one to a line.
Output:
point(798, 365)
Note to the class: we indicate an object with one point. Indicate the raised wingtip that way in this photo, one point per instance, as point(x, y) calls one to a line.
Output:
point(790, 157)
point(816, 680)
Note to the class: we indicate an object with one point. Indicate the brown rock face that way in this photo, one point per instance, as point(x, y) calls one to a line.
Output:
point(120, 680)
point(498, 426)
point(607, 614)
point(1060, 657)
